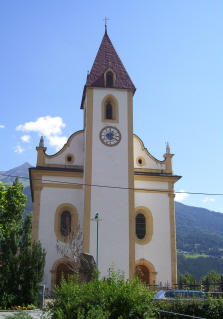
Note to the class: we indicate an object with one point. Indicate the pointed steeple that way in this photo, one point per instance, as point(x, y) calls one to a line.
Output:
point(107, 58)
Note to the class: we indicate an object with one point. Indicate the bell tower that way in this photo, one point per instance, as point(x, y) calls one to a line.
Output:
point(108, 161)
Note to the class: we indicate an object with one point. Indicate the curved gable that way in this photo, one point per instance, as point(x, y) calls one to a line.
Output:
point(71, 154)
point(143, 159)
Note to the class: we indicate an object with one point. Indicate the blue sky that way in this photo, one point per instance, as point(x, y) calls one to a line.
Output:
point(173, 52)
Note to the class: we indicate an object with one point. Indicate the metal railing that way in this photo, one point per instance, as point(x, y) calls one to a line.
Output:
point(175, 315)
point(206, 286)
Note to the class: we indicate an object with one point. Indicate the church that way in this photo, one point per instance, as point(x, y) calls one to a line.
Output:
point(105, 182)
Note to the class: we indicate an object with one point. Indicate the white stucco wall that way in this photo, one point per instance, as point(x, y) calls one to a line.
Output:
point(158, 250)
point(150, 184)
point(51, 198)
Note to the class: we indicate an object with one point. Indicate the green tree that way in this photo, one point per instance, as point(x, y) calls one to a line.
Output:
point(31, 265)
point(17, 254)
point(12, 205)
point(212, 276)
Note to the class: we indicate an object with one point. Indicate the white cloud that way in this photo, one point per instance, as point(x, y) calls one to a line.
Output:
point(49, 127)
point(26, 138)
point(18, 149)
point(57, 141)
point(208, 199)
point(2, 126)
point(45, 126)
point(181, 196)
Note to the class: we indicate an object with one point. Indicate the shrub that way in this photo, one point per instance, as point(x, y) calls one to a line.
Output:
point(105, 299)
point(7, 299)
point(208, 308)
point(31, 307)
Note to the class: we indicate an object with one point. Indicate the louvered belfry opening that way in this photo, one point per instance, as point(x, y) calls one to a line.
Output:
point(108, 111)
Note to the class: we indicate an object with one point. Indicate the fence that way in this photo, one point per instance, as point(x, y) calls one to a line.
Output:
point(206, 286)
point(162, 314)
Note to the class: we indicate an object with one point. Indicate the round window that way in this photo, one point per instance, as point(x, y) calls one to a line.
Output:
point(69, 158)
point(140, 161)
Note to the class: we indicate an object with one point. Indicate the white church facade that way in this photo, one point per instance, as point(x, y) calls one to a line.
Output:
point(106, 169)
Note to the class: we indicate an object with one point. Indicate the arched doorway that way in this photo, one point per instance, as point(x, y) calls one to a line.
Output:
point(65, 270)
point(143, 272)
point(146, 271)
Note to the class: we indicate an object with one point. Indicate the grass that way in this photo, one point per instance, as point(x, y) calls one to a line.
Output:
point(195, 255)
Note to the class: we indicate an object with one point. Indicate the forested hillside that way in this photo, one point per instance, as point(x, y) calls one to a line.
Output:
point(199, 232)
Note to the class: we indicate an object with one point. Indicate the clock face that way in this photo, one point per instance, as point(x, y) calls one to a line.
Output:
point(110, 136)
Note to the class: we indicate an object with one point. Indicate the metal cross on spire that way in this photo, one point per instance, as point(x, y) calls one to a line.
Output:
point(106, 19)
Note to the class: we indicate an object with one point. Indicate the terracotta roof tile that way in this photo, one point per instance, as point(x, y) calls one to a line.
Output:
point(106, 58)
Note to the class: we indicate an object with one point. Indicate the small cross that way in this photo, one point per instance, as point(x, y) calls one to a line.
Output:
point(106, 19)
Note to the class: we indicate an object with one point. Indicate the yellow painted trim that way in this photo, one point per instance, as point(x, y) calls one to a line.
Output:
point(115, 110)
point(71, 156)
point(53, 271)
point(56, 173)
point(151, 190)
point(149, 170)
point(36, 189)
point(149, 225)
point(173, 239)
point(41, 155)
point(168, 161)
point(131, 187)
point(157, 178)
point(88, 170)
point(149, 265)
point(140, 161)
point(57, 220)
point(63, 166)
point(84, 117)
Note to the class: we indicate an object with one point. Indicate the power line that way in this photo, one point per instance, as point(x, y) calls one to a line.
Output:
point(114, 187)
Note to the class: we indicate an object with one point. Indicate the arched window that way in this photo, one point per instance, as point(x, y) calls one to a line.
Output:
point(108, 111)
point(65, 223)
point(109, 79)
point(140, 226)
point(144, 225)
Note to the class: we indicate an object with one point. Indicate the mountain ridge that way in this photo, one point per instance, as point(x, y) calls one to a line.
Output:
point(21, 171)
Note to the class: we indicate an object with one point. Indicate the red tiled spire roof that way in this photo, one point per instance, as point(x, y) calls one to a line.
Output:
point(106, 58)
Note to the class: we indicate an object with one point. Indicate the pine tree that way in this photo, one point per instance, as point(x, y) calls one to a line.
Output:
point(12, 205)
point(31, 265)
